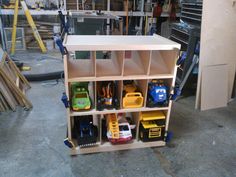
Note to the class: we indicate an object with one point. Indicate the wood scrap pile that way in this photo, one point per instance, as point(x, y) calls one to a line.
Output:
point(45, 30)
point(12, 85)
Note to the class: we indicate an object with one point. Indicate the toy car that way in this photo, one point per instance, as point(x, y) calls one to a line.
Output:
point(107, 95)
point(84, 131)
point(132, 96)
point(157, 94)
point(80, 98)
point(118, 132)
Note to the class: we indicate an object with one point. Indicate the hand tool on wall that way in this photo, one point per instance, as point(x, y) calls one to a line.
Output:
point(127, 17)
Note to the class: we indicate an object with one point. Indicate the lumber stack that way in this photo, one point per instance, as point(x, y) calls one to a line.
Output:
point(45, 30)
point(12, 85)
point(71, 5)
point(87, 5)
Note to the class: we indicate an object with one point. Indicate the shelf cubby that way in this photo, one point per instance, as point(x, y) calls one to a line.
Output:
point(163, 122)
point(116, 89)
point(142, 86)
point(168, 83)
point(75, 130)
point(136, 63)
point(109, 63)
point(81, 67)
point(91, 92)
point(163, 62)
point(134, 116)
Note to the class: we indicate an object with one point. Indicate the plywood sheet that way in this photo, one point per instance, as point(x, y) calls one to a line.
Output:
point(214, 87)
point(218, 40)
point(118, 42)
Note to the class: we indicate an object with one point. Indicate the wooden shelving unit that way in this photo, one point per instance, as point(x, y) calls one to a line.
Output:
point(139, 58)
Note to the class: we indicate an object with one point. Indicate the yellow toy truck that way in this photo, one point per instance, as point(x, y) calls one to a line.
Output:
point(152, 126)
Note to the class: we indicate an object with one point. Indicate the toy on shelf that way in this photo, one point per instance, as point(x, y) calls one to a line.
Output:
point(132, 97)
point(157, 94)
point(107, 95)
point(152, 126)
point(85, 131)
point(80, 97)
point(118, 129)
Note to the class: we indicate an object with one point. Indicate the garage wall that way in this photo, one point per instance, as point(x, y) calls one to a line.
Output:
point(218, 40)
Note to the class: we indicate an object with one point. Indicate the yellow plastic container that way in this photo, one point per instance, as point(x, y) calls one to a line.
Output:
point(133, 100)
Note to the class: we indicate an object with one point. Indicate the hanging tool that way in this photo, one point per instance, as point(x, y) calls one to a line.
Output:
point(152, 30)
point(127, 17)
point(65, 25)
point(31, 23)
point(58, 37)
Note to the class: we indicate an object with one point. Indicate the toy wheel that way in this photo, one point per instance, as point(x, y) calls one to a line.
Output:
point(116, 104)
point(99, 108)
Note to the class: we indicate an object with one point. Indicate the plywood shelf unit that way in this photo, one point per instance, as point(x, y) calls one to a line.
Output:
point(138, 58)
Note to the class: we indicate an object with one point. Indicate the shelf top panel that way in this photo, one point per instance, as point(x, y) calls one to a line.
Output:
point(118, 42)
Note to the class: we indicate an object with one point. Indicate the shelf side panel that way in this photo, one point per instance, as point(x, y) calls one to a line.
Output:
point(146, 60)
point(143, 86)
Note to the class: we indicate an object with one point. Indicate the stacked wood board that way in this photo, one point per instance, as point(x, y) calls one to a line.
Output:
point(86, 5)
point(45, 30)
point(12, 85)
point(72, 5)
point(217, 56)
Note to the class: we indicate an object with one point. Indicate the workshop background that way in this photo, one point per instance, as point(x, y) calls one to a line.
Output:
point(65, 108)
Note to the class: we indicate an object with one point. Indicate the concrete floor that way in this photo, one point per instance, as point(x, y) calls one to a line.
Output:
point(204, 143)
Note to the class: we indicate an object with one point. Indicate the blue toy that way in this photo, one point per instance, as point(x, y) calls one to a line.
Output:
point(157, 94)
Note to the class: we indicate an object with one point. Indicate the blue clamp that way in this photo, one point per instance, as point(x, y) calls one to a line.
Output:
point(65, 101)
point(169, 136)
point(177, 92)
point(68, 143)
point(182, 58)
point(58, 40)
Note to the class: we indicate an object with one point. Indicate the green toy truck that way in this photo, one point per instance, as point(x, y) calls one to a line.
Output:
point(80, 97)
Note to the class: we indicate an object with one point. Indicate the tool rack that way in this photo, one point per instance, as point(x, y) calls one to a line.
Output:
point(187, 33)
point(152, 57)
